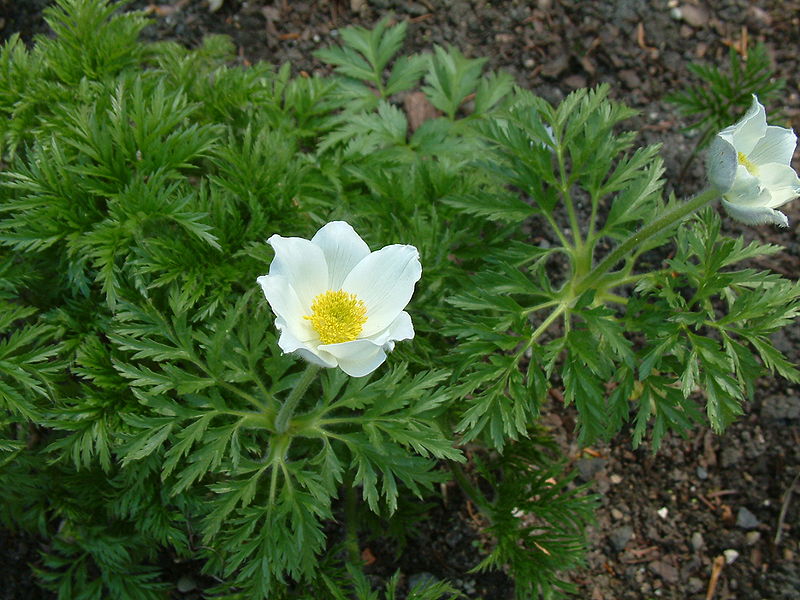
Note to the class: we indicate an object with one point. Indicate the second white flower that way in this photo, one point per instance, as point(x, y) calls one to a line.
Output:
point(749, 163)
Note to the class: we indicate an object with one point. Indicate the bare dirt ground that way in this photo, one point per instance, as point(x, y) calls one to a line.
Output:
point(665, 520)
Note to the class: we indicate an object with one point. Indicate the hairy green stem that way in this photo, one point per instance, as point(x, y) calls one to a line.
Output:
point(536, 307)
point(567, 198)
point(241, 393)
point(547, 322)
point(665, 221)
point(290, 404)
point(556, 229)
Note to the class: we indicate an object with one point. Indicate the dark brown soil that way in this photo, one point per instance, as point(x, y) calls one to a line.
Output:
point(664, 518)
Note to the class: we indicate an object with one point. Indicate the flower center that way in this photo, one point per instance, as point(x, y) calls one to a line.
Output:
point(748, 164)
point(337, 316)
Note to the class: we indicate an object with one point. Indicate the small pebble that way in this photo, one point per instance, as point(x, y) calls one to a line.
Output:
point(617, 514)
point(695, 584)
point(630, 79)
point(575, 81)
point(730, 555)
point(697, 541)
point(453, 538)
point(186, 584)
point(752, 537)
point(694, 15)
point(663, 512)
point(702, 473)
point(745, 519)
point(615, 479)
point(589, 467)
point(620, 537)
point(665, 570)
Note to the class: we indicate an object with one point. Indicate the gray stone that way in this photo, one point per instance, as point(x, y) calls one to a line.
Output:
point(589, 467)
point(745, 519)
point(665, 570)
point(415, 8)
point(620, 537)
point(186, 584)
point(702, 473)
point(697, 541)
point(694, 585)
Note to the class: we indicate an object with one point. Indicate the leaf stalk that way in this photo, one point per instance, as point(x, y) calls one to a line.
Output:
point(667, 220)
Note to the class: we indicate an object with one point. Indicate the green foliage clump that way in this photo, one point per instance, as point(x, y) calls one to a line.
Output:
point(143, 399)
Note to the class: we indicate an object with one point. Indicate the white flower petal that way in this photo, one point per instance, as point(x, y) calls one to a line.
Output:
point(289, 344)
point(343, 249)
point(303, 264)
point(745, 134)
point(286, 305)
point(777, 146)
point(721, 164)
point(357, 358)
point(746, 189)
point(400, 329)
point(315, 358)
point(782, 183)
point(384, 281)
point(755, 215)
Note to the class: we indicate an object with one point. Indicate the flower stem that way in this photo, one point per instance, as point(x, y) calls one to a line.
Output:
point(290, 404)
point(665, 221)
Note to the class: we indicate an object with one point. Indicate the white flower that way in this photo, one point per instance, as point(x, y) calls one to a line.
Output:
point(749, 163)
point(336, 303)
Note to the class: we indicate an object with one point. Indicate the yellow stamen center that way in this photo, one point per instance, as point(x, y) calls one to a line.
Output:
point(337, 316)
point(748, 164)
